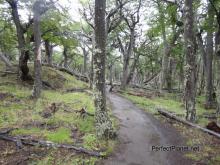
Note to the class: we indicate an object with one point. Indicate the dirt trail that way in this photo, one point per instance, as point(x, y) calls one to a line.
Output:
point(138, 133)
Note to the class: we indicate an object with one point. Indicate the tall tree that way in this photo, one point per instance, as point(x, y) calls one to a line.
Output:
point(103, 122)
point(37, 7)
point(21, 30)
point(131, 19)
point(190, 68)
point(217, 50)
point(209, 59)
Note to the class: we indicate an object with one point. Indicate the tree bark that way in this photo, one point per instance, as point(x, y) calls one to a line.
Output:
point(103, 123)
point(126, 58)
point(190, 68)
point(91, 79)
point(85, 56)
point(65, 57)
point(37, 51)
point(217, 41)
point(165, 59)
point(49, 51)
point(209, 102)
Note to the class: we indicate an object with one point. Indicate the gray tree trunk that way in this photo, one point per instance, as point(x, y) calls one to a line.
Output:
point(37, 52)
point(85, 56)
point(217, 42)
point(190, 68)
point(127, 53)
point(103, 123)
point(92, 62)
point(209, 60)
point(165, 59)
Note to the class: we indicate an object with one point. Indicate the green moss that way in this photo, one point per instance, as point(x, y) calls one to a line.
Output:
point(28, 131)
point(62, 135)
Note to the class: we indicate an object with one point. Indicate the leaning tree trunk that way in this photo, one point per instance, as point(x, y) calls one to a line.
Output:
point(103, 122)
point(190, 68)
point(37, 51)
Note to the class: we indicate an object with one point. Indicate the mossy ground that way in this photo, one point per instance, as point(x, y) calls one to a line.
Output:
point(18, 110)
point(209, 146)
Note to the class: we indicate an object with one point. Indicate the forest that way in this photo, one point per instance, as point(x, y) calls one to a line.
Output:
point(110, 82)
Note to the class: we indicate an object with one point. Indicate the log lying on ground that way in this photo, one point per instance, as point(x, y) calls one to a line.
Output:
point(6, 61)
point(8, 72)
point(47, 85)
point(172, 116)
point(69, 71)
point(41, 143)
point(82, 112)
point(77, 90)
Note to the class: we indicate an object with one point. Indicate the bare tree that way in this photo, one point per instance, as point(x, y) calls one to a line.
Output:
point(131, 19)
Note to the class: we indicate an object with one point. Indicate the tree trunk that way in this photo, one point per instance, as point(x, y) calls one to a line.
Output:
point(190, 68)
point(24, 53)
point(217, 41)
point(49, 51)
point(165, 59)
point(85, 56)
point(209, 61)
point(37, 51)
point(134, 65)
point(65, 57)
point(126, 59)
point(92, 62)
point(103, 122)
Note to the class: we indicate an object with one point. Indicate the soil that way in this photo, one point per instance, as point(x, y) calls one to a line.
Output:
point(11, 155)
point(139, 132)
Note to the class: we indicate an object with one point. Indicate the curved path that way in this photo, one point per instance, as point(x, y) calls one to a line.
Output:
point(138, 133)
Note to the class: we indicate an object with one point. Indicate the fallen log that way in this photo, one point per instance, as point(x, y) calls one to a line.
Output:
point(173, 116)
point(82, 112)
point(47, 85)
point(69, 71)
point(42, 143)
point(77, 90)
point(5, 60)
point(8, 72)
